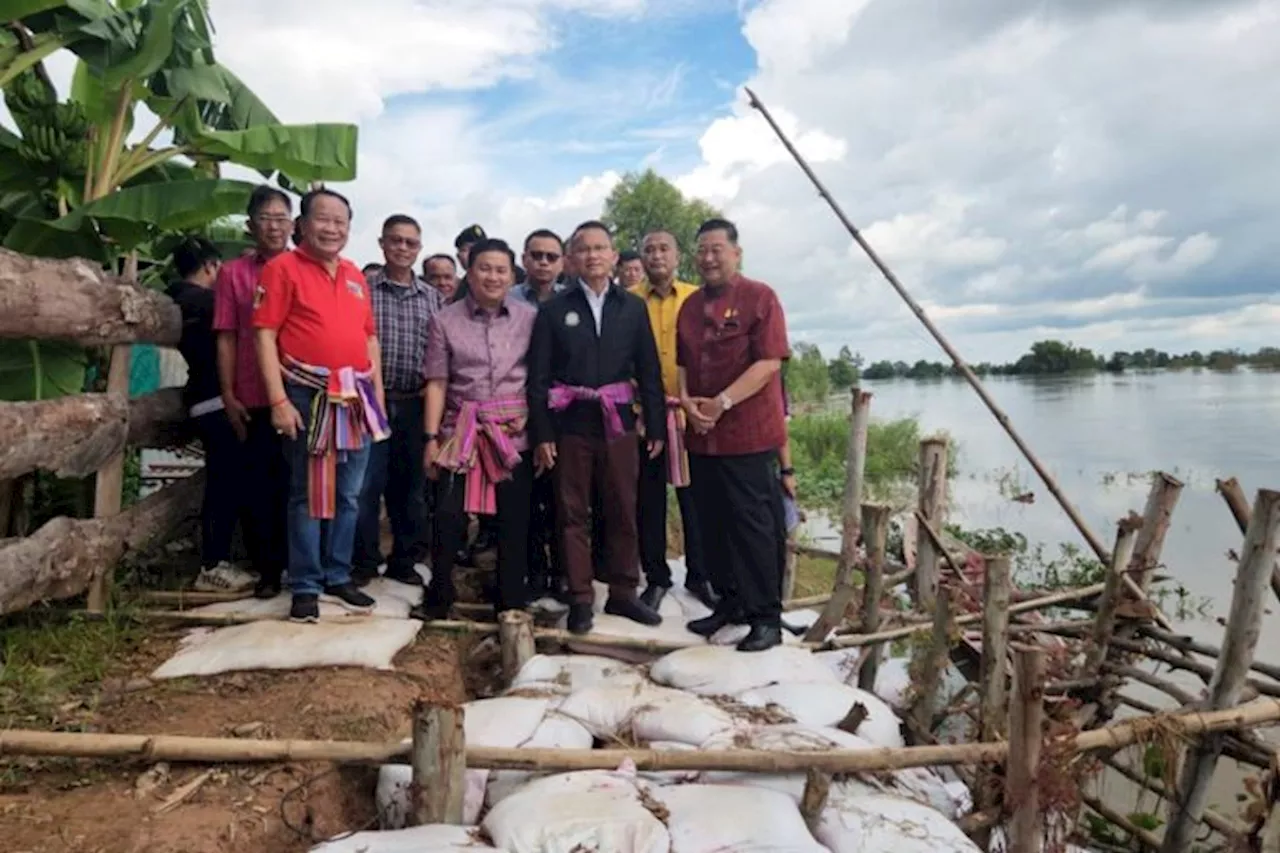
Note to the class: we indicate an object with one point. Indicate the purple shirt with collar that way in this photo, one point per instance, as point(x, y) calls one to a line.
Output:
point(482, 355)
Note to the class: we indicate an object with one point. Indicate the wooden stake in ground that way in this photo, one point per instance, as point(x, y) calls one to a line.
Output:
point(515, 633)
point(1026, 718)
point(875, 535)
point(933, 506)
point(1239, 506)
point(850, 522)
point(1239, 643)
point(1105, 626)
point(439, 762)
point(1161, 500)
point(935, 664)
point(997, 588)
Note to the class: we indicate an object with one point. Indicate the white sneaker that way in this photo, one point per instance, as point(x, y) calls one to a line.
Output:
point(223, 577)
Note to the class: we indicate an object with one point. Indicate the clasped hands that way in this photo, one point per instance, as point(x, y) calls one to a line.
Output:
point(703, 413)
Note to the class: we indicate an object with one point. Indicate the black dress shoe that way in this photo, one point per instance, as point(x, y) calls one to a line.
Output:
point(763, 635)
point(708, 625)
point(430, 611)
point(702, 591)
point(404, 574)
point(580, 618)
point(653, 595)
point(362, 576)
point(633, 609)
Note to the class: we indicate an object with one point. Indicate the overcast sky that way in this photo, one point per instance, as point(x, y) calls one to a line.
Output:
point(1103, 171)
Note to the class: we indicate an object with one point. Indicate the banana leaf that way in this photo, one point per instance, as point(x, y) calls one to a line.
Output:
point(304, 153)
point(159, 20)
point(41, 370)
point(14, 60)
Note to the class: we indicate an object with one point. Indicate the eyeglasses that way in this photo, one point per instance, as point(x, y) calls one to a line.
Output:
point(407, 242)
point(549, 257)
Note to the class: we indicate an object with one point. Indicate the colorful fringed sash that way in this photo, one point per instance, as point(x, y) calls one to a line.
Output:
point(610, 397)
point(482, 449)
point(343, 414)
point(677, 456)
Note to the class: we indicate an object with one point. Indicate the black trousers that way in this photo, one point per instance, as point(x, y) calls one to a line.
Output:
point(545, 573)
point(738, 503)
point(512, 520)
point(652, 520)
point(394, 473)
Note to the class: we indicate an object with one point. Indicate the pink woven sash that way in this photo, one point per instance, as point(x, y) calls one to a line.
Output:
point(482, 449)
point(610, 397)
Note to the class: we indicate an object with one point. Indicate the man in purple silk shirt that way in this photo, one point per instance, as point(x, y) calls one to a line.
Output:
point(592, 349)
point(477, 450)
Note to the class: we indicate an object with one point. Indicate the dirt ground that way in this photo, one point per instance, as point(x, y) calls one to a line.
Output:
point(74, 806)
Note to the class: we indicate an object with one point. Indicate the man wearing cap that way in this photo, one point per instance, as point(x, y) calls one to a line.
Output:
point(731, 338)
point(664, 295)
point(402, 308)
point(318, 349)
point(592, 346)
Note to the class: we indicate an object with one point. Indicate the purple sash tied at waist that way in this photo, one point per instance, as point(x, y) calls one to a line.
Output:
point(610, 397)
point(481, 447)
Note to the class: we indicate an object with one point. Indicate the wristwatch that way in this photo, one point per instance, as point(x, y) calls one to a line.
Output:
point(726, 403)
point(787, 472)
point(430, 436)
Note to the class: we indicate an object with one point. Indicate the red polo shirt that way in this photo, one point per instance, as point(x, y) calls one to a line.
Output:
point(718, 336)
point(323, 320)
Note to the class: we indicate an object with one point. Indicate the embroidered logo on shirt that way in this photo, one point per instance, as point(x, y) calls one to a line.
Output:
point(572, 319)
point(354, 288)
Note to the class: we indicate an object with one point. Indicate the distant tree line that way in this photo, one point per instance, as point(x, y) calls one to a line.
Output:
point(810, 377)
point(1056, 358)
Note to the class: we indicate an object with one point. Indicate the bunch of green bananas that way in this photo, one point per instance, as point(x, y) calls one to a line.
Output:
point(28, 93)
point(55, 137)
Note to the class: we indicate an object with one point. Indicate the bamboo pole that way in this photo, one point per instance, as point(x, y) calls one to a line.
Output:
point(515, 633)
point(875, 535)
point(1105, 625)
point(439, 761)
point(1146, 839)
point(246, 751)
point(1204, 670)
point(1210, 818)
point(961, 366)
point(935, 663)
point(850, 522)
point(1026, 720)
point(1244, 624)
point(932, 506)
point(1156, 517)
point(1239, 506)
point(1184, 643)
point(997, 584)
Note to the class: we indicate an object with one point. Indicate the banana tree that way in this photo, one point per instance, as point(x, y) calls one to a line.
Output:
point(71, 182)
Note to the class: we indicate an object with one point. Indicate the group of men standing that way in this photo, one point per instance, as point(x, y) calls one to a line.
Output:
point(556, 410)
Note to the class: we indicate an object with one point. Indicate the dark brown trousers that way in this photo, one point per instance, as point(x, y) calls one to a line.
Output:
point(611, 468)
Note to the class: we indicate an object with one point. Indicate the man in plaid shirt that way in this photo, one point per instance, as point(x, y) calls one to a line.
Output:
point(403, 305)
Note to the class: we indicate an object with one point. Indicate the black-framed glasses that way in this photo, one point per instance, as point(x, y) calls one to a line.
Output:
point(549, 257)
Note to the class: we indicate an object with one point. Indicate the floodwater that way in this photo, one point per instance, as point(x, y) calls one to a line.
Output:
point(1101, 436)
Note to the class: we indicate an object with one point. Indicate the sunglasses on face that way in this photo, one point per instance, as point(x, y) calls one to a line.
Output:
point(549, 257)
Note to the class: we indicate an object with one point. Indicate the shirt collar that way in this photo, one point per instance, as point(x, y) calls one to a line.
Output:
point(647, 290)
point(416, 284)
point(591, 294)
point(473, 308)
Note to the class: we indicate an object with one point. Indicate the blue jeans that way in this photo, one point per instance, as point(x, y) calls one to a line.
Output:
point(320, 549)
point(395, 472)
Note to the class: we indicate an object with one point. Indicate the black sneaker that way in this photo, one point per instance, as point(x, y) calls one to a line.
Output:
point(348, 595)
point(404, 574)
point(305, 608)
point(362, 576)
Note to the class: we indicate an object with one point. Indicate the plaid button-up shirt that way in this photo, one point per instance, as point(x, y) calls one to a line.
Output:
point(402, 314)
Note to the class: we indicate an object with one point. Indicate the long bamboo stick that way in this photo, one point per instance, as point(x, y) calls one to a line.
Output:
point(1182, 642)
point(1105, 625)
point(1240, 511)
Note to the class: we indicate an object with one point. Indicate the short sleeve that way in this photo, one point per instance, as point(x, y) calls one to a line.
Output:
point(273, 295)
point(224, 301)
point(436, 363)
point(768, 334)
point(370, 330)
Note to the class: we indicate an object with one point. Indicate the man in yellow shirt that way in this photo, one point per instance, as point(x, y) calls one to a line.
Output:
point(664, 295)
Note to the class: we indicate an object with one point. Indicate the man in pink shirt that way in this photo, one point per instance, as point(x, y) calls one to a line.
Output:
point(264, 476)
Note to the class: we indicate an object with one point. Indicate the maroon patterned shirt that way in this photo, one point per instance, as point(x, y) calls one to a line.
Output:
point(482, 355)
point(719, 335)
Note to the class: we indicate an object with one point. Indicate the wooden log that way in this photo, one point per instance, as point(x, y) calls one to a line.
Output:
point(1026, 720)
point(1161, 500)
point(1121, 556)
point(1244, 624)
point(875, 535)
point(246, 751)
point(60, 559)
point(515, 633)
point(1239, 506)
point(850, 522)
point(997, 586)
point(935, 663)
point(817, 787)
point(932, 505)
point(439, 761)
point(76, 300)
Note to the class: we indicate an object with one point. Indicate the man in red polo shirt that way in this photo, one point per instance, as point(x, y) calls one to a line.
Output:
point(731, 338)
point(322, 367)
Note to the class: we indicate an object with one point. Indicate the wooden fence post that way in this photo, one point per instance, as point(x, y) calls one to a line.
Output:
point(1163, 497)
point(1239, 506)
point(997, 589)
point(935, 665)
point(439, 760)
point(875, 535)
point(1026, 719)
point(1105, 624)
point(933, 506)
point(515, 633)
point(1240, 641)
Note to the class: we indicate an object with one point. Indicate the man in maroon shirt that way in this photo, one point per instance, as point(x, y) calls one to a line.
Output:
point(731, 338)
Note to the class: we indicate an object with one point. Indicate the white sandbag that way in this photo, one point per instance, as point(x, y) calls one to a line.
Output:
point(816, 704)
point(883, 823)
point(893, 678)
point(436, 838)
point(392, 600)
point(714, 818)
point(577, 671)
point(364, 641)
point(731, 635)
point(393, 799)
point(669, 777)
point(504, 721)
point(571, 812)
point(719, 670)
point(644, 712)
point(681, 717)
point(554, 732)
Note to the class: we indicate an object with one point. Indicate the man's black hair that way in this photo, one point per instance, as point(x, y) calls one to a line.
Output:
point(491, 244)
point(400, 219)
point(592, 225)
point(441, 256)
point(730, 230)
point(628, 255)
point(264, 194)
point(192, 254)
point(675, 239)
point(310, 198)
point(543, 234)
